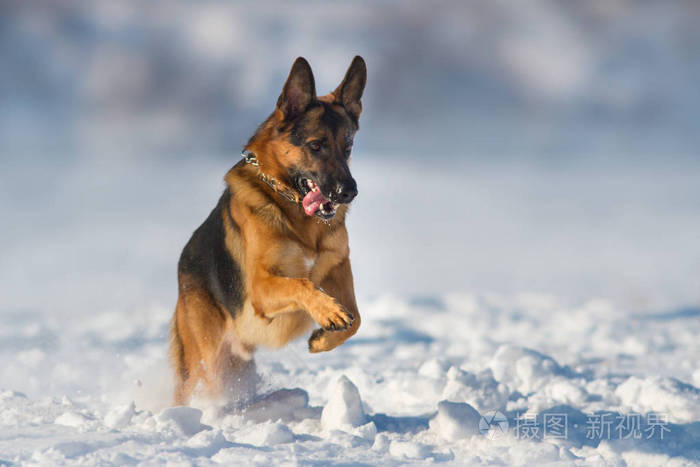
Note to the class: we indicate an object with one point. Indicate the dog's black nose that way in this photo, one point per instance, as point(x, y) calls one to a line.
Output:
point(346, 191)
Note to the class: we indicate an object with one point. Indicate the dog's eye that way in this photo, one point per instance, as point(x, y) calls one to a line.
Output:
point(315, 146)
point(348, 151)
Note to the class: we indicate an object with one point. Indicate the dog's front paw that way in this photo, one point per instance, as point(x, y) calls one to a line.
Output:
point(323, 341)
point(316, 341)
point(334, 316)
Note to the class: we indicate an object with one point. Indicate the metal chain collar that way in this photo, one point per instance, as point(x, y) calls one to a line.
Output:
point(251, 158)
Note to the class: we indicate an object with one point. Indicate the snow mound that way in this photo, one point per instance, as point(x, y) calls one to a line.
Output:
point(208, 442)
point(668, 396)
point(182, 419)
point(72, 419)
point(367, 431)
point(479, 390)
point(267, 434)
point(408, 450)
point(434, 368)
point(455, 420)
point(523, 369)
point(283, 404)
point(344, 408)
point(120, 416)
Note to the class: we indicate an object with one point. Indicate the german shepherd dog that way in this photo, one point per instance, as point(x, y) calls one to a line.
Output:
point(272, 258)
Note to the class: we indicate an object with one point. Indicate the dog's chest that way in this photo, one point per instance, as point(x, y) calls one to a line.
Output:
point(309, 261)
point(296, 260)
point(300, 261)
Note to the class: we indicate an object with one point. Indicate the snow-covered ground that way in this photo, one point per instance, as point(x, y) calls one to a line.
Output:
point(567, 300)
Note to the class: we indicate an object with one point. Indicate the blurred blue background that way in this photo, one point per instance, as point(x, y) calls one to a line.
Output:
point(548, 147)
point(549, 81)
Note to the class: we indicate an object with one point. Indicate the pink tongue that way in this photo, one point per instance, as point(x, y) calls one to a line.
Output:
point(312, 201)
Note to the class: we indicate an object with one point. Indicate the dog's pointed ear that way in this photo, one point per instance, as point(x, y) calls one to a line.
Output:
point(349, 93)
point(299, 90)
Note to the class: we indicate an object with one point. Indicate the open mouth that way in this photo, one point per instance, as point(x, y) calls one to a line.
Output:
point(314, 202)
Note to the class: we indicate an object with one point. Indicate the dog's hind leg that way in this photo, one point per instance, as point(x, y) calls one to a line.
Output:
point(199, 349)
point(236, 378)
point(177, 359)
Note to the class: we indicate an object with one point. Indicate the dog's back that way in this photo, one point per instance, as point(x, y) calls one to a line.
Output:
point(207, 262)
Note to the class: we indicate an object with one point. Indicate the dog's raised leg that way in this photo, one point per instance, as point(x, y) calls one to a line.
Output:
point(274, 295)
point(339, 284)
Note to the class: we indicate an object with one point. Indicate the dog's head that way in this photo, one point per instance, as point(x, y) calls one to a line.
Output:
point(305, 144)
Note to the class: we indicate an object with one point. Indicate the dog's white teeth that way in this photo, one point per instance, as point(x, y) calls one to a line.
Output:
point(312, 186)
